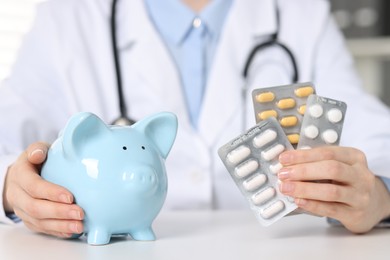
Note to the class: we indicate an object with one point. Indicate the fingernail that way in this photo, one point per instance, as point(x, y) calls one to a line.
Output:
point(65, 198)
point(285, 158)
point(37, 151)
point(284, 174)
point(74, 227)
point(286, 187)
point(300, 202)
point(75, 214)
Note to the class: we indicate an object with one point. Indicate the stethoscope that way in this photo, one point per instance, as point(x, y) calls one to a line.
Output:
point(124, 119)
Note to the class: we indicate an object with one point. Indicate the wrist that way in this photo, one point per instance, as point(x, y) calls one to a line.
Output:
point(384, 199)
point(6, 204)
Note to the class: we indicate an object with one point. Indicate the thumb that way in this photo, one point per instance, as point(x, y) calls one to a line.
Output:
point(37, 152)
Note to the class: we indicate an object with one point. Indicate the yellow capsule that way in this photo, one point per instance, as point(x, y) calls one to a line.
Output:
point(304, 91)
point(293, 138)
point(267, 113)
point(265, 97)
point(289, 121)
point(286, 103)
point(302, 109)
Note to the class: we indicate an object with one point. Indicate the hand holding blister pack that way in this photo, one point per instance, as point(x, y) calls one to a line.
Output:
point(288, 116)
point(252, 161)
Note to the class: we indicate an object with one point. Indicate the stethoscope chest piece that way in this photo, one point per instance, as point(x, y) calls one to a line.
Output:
point(122, 121)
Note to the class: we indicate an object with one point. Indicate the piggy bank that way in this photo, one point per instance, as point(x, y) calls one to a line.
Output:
point(116, 173)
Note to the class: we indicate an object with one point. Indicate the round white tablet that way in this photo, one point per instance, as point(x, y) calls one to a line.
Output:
point(335, 115)
point(311, 131)
point(330, 136)
point(316, 110)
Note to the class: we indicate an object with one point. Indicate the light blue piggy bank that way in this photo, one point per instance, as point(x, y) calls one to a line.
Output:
point(116, 173)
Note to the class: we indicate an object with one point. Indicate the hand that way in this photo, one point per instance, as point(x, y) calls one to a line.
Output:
point(350, 193)
point(43, 206)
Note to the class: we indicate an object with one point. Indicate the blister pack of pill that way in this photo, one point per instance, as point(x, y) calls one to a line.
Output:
point(286, 103)
point(252, 161)
point(322, 123)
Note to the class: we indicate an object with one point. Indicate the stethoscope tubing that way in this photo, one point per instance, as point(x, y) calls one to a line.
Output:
point(125, 120)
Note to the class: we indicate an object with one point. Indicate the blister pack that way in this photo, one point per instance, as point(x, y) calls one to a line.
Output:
point(286, 103)
point(322, 123)
point(252, 161)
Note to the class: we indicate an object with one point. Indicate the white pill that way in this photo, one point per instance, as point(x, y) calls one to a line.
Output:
point(334, 115)
point(272, 210)
point(311, 131)
point(264, 138)
point(275, 168)
point(272, 152)
point(238, 154)
point(263, 196)
point(316, 110)
point(255, 182)
point(246, 168)
point(330, 136)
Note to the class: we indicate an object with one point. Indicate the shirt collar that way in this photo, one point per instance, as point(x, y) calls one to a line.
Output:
point(174, 19)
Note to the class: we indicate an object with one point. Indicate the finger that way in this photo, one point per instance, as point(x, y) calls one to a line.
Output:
point(44, 209)
point(327, 192)
point(37, 152)
point(325, 153)
point(321, 208)
point(54, 226)
point(323, 170)
point(39, 188)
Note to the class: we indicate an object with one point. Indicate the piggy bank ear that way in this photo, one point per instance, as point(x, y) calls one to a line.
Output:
point(80, 129)
point(161, 129)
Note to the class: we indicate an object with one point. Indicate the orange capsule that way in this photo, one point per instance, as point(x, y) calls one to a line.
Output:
point(265, 97)
point(302, 109)
point(286, 103)
point(304, 91)
point(293, 138)
point(288, 121)
point(267, 113)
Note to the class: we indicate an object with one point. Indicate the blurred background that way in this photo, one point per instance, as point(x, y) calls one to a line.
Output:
point(365, 23)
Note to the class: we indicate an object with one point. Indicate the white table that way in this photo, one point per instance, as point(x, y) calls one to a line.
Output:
point(209, 235)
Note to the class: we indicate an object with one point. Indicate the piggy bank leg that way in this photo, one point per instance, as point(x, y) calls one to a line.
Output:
point(143, 234)
point(98, 236)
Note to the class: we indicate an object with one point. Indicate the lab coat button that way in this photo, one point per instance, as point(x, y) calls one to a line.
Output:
point(197, 22)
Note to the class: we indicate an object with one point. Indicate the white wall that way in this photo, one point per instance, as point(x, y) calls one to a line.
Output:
point(15, 19)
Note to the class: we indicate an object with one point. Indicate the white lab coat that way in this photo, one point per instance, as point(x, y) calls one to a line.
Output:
point(66, 66)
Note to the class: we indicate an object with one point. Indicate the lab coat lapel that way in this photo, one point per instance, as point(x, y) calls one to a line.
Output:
point(223, 98)
point(145, 52)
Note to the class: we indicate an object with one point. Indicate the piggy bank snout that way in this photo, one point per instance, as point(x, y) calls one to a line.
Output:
point(141, 175)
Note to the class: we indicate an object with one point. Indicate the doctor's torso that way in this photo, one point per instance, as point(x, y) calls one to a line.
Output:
point(75, 65)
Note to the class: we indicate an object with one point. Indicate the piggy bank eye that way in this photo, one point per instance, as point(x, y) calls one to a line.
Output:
point(143, 147)
point(124, 148)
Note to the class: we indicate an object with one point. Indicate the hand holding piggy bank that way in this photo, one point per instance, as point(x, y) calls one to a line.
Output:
point(116, 173)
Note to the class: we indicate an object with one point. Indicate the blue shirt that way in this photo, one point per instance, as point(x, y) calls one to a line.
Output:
point(191, 39)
